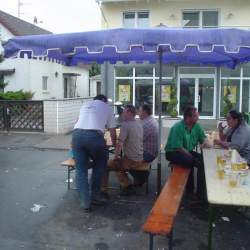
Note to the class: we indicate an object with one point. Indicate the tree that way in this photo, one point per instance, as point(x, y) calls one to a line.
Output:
point(2, 83)
point(95, 69)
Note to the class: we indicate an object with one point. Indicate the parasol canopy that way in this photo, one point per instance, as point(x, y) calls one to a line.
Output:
point(218, 47)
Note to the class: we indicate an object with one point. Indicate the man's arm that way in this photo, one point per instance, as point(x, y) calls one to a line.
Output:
point(184, 151)
point(118, 149)
point(113, 136)
point(224, 144)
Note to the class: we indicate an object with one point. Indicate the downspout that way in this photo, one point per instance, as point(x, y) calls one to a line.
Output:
point(99, 2)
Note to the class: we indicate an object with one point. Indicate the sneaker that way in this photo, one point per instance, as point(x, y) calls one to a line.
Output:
point(87, 210)
point(100, 200)
point(104, 195)
point(129, 190)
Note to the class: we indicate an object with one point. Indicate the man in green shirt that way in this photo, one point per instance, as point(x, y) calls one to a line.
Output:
point(183, 138)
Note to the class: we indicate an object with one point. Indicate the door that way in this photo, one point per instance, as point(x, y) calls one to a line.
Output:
point(198, 91)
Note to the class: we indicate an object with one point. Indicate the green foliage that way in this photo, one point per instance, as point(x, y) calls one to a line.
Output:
point(16, 95)
point(1, 58)
point(95, 69)
point(172, 105)
point(227, 104)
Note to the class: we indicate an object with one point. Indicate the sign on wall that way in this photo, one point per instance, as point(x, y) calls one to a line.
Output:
point(124, 93)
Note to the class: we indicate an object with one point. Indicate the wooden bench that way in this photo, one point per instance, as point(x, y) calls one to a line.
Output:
point(70, 164)
point(161, 218)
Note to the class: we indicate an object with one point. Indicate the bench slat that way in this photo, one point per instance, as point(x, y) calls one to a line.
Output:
point(162, 215)
point(69, 162)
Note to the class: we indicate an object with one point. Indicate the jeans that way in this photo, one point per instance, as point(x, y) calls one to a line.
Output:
point(196, 160)
point(89, 144)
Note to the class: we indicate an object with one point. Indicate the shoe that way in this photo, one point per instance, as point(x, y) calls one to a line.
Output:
point(104, 195)
point(87, 210)
point(129, 190)
point(100, 200)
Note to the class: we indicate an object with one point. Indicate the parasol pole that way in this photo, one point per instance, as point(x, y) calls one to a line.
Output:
point(160, 124)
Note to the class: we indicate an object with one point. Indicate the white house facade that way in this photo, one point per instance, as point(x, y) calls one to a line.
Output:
point(45, 78)
point(204, 87)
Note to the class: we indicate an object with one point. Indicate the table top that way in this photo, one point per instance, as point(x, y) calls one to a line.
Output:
point(218, 191)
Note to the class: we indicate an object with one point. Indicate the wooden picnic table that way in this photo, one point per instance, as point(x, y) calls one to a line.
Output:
point(218, 190)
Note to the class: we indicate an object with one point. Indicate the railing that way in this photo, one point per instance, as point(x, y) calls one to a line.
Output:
point(21, 115)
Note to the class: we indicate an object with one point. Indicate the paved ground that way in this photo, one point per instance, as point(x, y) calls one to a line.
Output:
point(31, 174)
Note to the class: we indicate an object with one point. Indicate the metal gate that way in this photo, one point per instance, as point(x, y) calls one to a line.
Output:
point(21, 115)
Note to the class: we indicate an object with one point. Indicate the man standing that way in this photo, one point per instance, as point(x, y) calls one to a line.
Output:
point(88, 143)
point(150, 143)
point(184, 136)
point(130, 141)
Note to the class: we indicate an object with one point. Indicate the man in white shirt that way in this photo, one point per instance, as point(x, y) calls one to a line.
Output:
point(88, 143)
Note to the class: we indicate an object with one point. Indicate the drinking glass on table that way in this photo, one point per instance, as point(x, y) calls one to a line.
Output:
point(221, 162)
point(233, 179)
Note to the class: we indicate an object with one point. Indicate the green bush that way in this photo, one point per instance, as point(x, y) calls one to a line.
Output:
point(16, 95)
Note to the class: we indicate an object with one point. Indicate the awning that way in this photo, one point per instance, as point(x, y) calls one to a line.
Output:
point(226, 47)
point(71, 74)
point(6, 72)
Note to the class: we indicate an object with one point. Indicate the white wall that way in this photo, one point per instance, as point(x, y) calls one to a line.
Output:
point(60, 116)
point(170, 12)
point(5, 34)
point(28, 76)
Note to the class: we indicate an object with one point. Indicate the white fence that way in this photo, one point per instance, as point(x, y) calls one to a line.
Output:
point(61, 115)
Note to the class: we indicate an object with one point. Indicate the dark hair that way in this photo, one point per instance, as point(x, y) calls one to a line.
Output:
point(130, 108)
point(188, 112)
point(236, 116)
point(147, 109)
point(101, 98)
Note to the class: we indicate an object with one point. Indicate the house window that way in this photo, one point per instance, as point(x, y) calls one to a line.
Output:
point(139, 84)
point(45, 83)
point(136, 19)
point(200, 19)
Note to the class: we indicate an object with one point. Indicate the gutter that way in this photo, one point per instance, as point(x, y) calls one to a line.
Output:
point(99, 2)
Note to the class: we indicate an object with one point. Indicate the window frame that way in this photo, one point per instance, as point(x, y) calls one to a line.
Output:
point(136, 18)
point(43, 83)
point(200, 15)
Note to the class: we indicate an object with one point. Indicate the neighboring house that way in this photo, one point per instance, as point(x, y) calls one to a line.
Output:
point(201, 86)
point(46, 78)
point(95, 83)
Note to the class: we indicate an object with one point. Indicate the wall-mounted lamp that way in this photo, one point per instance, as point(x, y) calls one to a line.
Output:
point(56, 74)
point(230, 15)
point(172, 16)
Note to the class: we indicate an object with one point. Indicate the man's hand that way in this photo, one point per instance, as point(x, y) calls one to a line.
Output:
point(118, 150)
point(220, 126)
point(206, 144)
point(224, 144)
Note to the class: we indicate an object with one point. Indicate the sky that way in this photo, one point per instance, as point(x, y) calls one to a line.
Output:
point(57, 16)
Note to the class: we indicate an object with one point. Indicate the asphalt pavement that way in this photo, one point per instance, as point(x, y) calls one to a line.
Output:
point(31, 178)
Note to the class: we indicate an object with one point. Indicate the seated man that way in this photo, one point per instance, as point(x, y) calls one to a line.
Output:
point(130, 141)
point(150, 143)
point(184, 136)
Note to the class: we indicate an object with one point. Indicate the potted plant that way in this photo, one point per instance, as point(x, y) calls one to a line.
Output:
point(227, 103)
point(172, 105)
